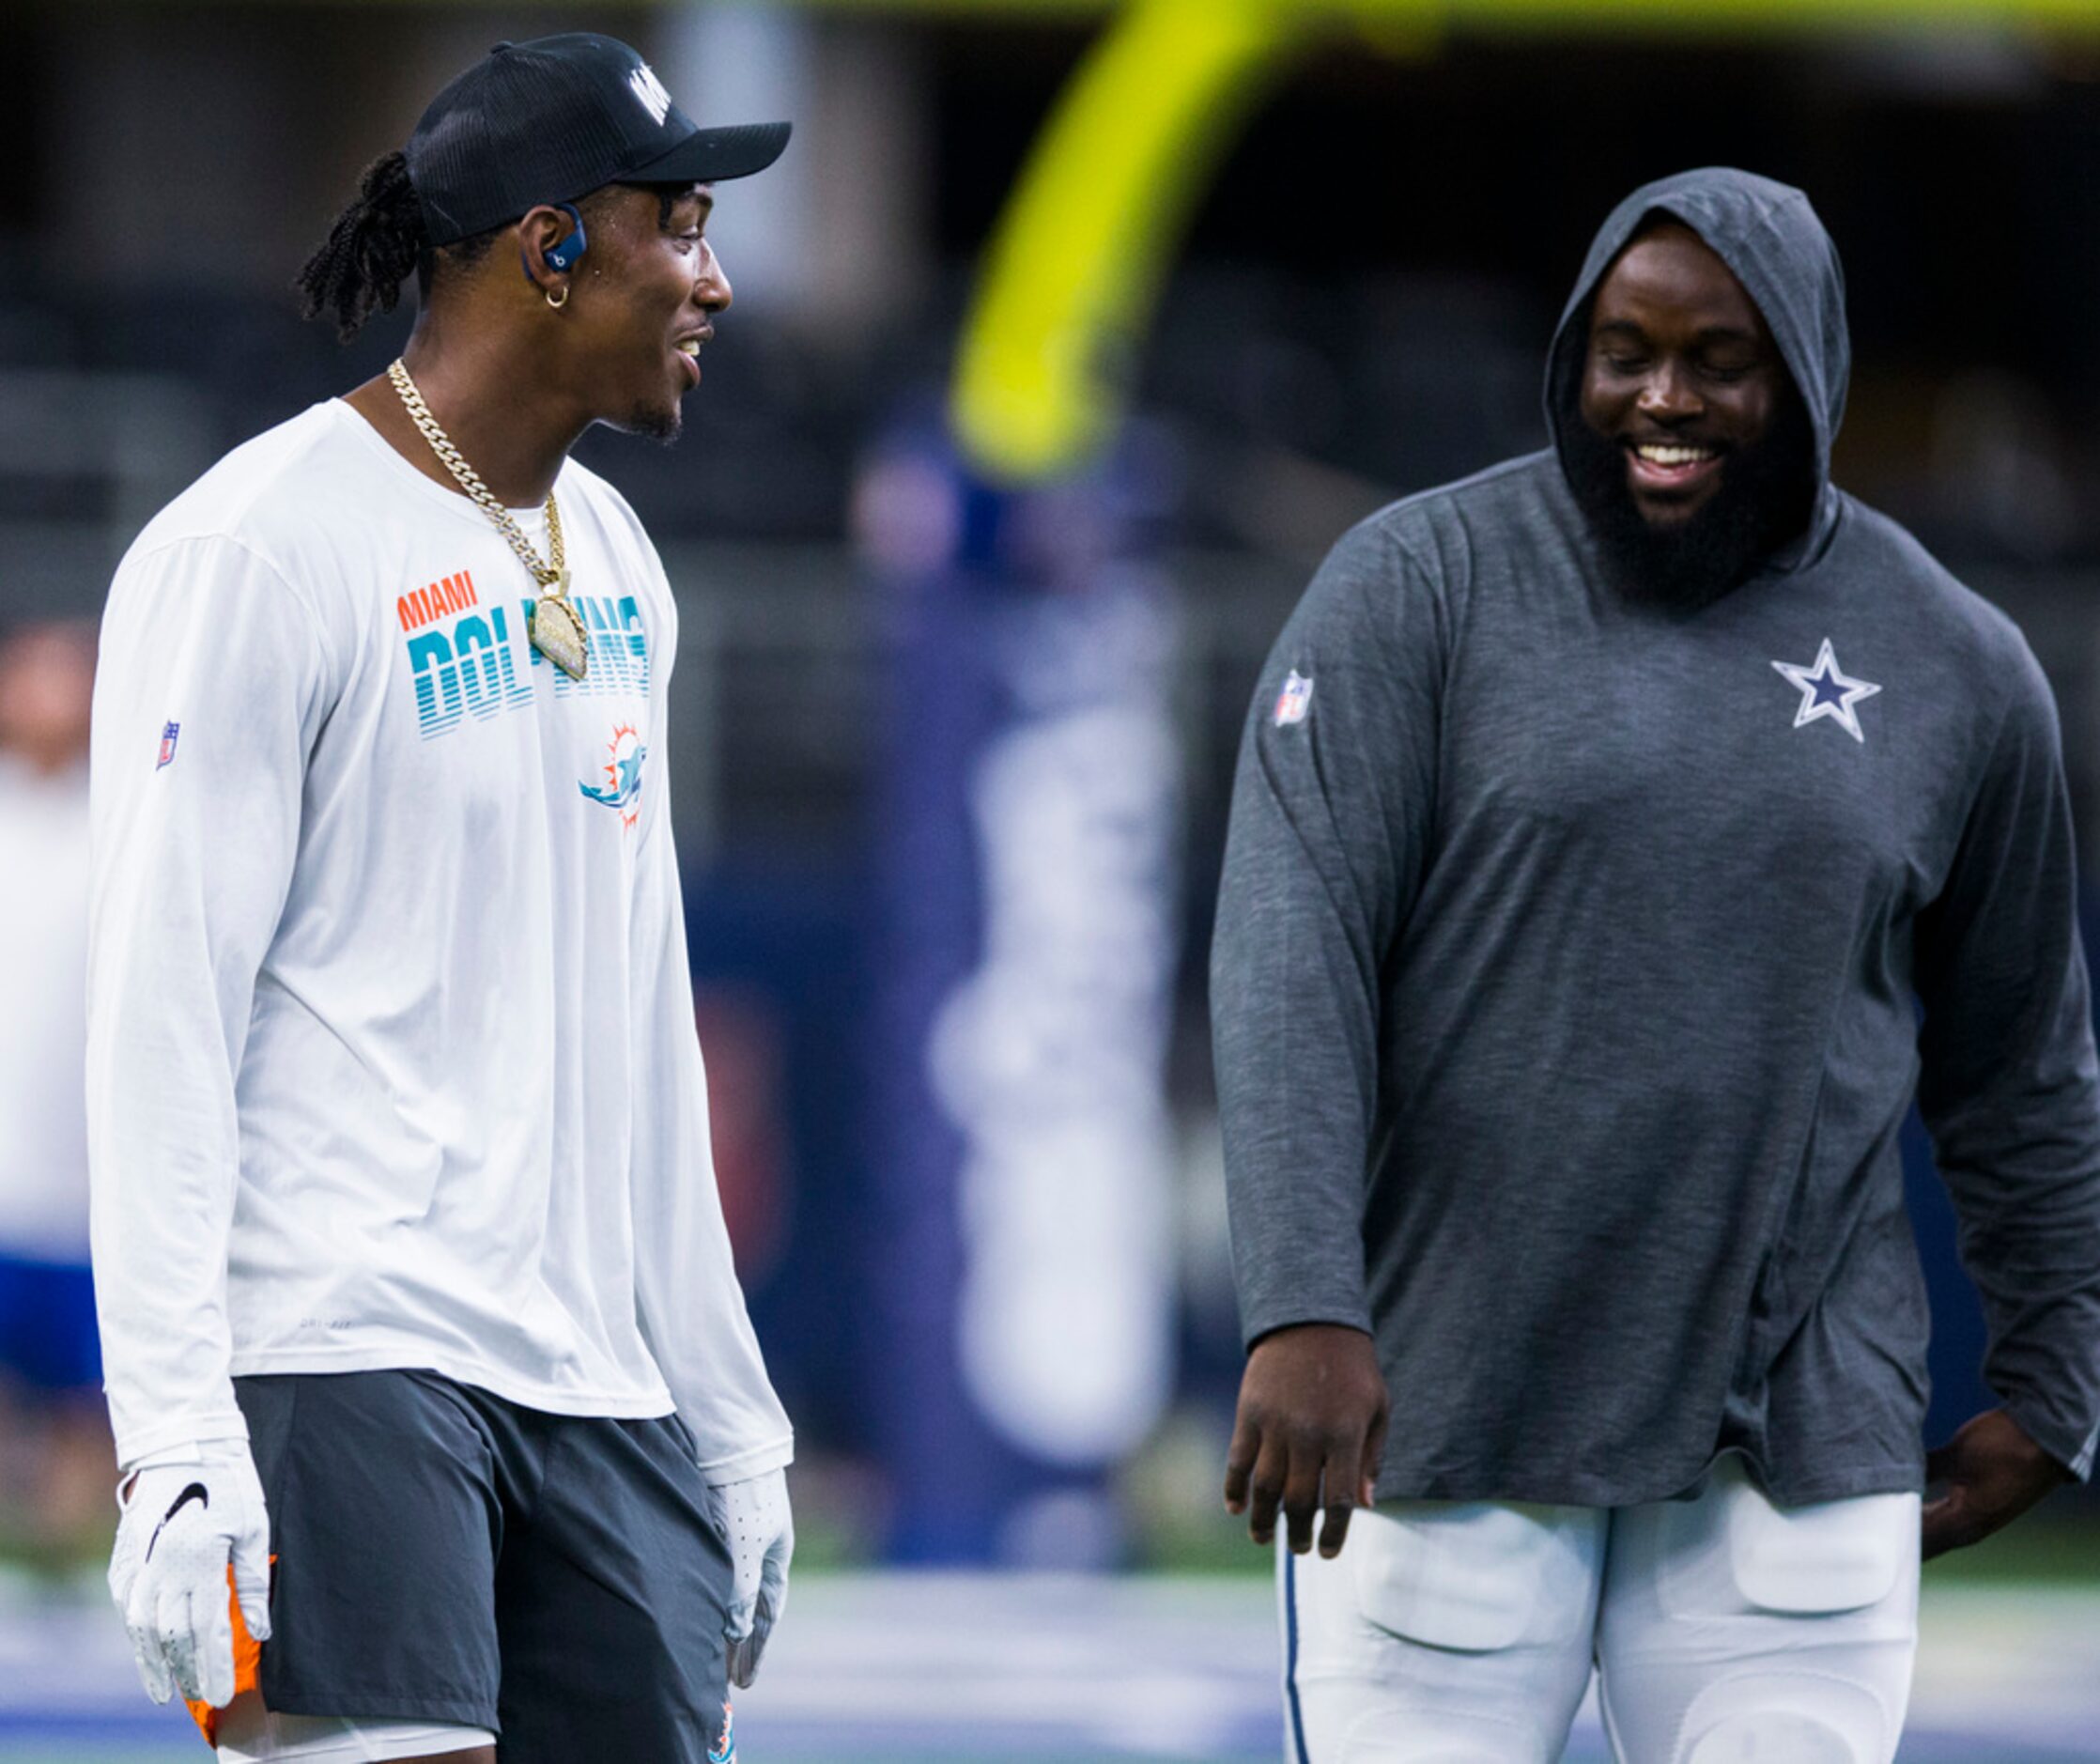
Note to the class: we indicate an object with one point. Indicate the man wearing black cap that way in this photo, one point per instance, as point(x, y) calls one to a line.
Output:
point(419, 1315)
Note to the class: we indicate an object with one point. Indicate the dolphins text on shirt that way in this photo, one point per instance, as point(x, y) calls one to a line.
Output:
point(464, 657)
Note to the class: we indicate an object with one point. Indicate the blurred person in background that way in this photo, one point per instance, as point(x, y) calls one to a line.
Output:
point(1600, 823)
point(54, 1433)
point(403, 1215)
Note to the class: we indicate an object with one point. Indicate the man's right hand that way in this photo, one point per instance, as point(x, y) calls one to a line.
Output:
point(1309, 1433)
point(188, 1512)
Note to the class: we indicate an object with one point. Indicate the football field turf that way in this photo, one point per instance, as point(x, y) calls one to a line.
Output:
point(969, 1669)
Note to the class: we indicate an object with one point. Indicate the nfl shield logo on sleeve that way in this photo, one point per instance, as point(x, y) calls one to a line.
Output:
point(1294, 702)
point(169, 736)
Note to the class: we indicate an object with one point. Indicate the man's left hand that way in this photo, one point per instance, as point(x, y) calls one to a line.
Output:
point(754, 1520)
point(1992, 1473)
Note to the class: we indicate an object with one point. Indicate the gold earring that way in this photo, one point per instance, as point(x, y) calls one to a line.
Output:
point(558, 304)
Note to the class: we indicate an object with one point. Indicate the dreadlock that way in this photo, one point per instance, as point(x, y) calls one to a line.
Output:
point(379, 239)
point(369, 252)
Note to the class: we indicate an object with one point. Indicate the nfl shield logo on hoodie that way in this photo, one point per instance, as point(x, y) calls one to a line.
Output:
point(169, 737)
point(1294, 702)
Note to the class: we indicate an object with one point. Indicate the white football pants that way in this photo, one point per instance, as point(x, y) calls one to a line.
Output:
point(1723, 1631)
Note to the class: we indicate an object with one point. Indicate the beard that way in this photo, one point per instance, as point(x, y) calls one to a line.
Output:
point(1765, 498)
point(659, 425)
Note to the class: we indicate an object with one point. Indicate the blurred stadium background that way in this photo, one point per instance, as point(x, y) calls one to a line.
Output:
point(1066, 338)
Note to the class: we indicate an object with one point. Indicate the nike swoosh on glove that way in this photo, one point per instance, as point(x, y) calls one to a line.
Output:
point(754, 1521)
point(187, 1511)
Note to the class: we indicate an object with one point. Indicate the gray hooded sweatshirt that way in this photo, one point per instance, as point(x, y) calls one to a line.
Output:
point(1570, 961)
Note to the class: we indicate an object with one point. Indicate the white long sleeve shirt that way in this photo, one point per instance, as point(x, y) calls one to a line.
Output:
point(392, 1059)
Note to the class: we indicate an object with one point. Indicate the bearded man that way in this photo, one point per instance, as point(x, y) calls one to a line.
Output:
point(1603, 824)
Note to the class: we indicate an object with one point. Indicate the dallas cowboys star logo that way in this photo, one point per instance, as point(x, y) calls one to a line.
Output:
point(1826, 691)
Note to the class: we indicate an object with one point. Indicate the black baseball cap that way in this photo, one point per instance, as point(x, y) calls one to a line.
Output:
point(555, 118)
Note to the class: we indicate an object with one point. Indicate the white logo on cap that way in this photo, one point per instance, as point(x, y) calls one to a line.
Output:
point(650, 90)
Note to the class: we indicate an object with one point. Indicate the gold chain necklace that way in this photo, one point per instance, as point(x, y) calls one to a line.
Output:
point(555, 627)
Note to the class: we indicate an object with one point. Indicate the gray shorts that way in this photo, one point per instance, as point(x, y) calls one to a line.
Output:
point(443, 1555)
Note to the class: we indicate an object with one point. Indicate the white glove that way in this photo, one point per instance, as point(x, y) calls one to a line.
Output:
point(754, 1519)
point(186, 1510)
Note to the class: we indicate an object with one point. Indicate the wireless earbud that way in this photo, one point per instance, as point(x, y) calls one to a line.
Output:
point(563, 254)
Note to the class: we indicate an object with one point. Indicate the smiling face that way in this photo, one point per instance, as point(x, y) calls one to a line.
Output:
point(1681, 374)
point(643, 301)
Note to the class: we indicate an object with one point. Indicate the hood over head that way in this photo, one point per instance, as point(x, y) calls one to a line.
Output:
point(1770, 236)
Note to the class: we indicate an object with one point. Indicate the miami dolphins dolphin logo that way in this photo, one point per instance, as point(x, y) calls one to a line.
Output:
point(726, 1751)
point(622, 789)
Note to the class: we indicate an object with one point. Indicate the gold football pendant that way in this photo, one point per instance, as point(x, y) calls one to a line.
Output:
point(558, 630)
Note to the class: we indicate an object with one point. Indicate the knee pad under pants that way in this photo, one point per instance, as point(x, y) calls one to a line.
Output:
point(1725, 1629)
point(1442, 1635)
point(1731, 1629)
